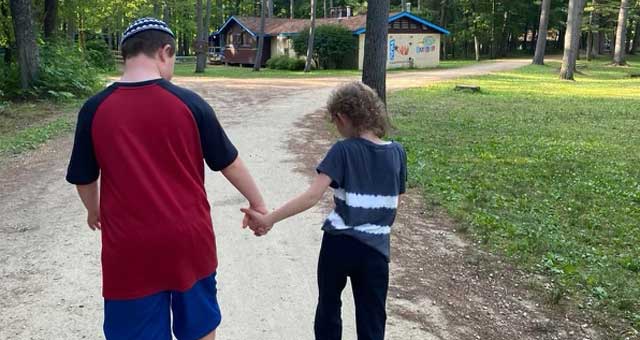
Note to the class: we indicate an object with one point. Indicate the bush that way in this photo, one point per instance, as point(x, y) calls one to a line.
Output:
point(285, 63)
point(64, 73)
point(333, 47)
point(99, 55)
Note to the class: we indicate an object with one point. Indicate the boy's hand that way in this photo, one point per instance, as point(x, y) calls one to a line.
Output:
point(93, 220)
point(257, 221)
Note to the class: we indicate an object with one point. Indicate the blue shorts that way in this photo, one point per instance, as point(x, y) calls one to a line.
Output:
point(195, 314)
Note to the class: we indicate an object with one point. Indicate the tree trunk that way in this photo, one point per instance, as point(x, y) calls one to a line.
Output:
point(312, 33)
point(50, 17)
point(590, 34)
point(258, 62)
point(201, 56)
point(28, 54)
point(374, 70)
point(572, 39)
point(166, 14)
point(541, 44)
point(443, 17)
point(476, 45)
point(270, 8)
point(403, 5)
point(621, 34)
point(220, 14)
point(157, 8)
point(4, 11)
point(291, 16)
point(492, 50)
point(324, 8)
point(635, 48)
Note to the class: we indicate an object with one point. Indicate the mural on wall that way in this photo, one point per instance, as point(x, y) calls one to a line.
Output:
point(405, 49)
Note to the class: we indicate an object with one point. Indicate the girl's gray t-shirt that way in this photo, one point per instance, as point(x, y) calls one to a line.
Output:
point(367, 179)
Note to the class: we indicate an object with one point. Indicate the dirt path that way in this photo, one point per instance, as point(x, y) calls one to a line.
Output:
point(50, 264)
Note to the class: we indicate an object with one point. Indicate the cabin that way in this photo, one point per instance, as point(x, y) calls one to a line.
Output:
point(412, 41)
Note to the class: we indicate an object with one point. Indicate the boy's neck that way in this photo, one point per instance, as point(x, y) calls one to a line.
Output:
point(140, 68)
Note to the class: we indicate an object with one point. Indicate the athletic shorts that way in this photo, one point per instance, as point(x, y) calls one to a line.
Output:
point(195, 314)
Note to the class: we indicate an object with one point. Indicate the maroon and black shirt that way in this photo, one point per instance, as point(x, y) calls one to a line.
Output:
point(148, 142)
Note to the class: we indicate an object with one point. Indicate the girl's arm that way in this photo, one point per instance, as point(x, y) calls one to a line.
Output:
point(297, 205)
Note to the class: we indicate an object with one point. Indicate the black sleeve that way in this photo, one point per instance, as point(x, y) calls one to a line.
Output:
point(403, 170)
point(217, 149)
point(333, 165)
point(83, 166)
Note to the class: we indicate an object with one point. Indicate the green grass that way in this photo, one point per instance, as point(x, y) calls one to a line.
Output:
point(542, 170)
point(26, 126)
point(235, 72)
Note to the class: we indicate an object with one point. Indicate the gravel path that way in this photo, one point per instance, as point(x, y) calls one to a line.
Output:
point(50, 261)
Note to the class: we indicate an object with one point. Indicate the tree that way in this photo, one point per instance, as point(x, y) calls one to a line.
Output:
point(312, 33)
point(291, 9)
point(258, 61)
point(157, 8)
point(202, 35)
point(636, 39)
point(572, 39)
point(50, 17)
point(332, 45)
point(621, 34)
point(541, 44)
point(25, 35)
point(374, 70)
point(270, 8)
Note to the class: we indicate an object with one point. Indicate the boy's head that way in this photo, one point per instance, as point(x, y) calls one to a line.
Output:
point(355, 108)
point(150, 38)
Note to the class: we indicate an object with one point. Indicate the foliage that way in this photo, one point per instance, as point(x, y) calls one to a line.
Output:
point(333, 44)
point(64, 73)
point(285, 63)
point(542, 170)
point(99, 55)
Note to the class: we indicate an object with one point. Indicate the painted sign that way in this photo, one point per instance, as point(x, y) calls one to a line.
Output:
point(413, 50)
point(392, 49)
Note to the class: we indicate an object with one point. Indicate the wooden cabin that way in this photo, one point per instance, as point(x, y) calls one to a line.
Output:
point(412, 41)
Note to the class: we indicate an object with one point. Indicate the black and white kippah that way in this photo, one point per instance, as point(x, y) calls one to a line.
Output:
point(146, 24)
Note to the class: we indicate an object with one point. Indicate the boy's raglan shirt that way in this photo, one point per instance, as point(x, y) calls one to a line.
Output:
point(148, 142)
point(367, 179)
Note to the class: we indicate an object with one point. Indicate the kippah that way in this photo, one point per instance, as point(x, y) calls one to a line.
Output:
point(146, 24)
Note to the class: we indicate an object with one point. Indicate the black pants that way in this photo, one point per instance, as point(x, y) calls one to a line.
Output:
point(343, 256)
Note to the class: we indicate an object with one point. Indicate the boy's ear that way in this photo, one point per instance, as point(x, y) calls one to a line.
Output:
point(166, 52)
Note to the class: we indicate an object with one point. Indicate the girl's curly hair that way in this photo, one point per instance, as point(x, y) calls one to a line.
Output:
point(362, 105)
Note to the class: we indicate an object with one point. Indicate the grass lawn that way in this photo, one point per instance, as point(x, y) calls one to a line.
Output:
point(544, 171)
point(26, 126)
point(219, 71)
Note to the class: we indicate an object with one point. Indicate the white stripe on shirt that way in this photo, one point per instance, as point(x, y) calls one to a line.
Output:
point(338, 223)
point(355, 200)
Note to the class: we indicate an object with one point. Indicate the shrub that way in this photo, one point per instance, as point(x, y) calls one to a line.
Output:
point(64, 73)
point(99, 55)
point(285, 63)
point(333, 47)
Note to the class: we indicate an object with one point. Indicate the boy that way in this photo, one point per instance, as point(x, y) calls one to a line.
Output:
point(368, 175)
point(147, 141)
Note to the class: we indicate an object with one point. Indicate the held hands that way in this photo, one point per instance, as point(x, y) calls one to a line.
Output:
point(257, 219)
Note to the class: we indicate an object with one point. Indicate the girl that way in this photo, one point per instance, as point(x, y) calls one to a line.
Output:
point(367, 175)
